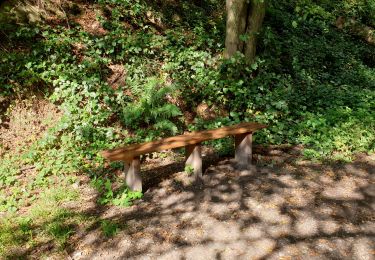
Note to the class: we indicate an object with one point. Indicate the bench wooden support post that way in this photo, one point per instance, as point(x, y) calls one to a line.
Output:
point(132, 177)
point(194, 159)
point(243, 150)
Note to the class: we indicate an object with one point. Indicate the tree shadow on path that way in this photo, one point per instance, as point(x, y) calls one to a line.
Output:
point(289, 209)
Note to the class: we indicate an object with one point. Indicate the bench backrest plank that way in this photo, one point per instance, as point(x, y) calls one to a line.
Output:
point(129, 152)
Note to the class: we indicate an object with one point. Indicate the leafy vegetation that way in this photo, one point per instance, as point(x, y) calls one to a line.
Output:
point(312, 83)
point(121, 197)
point(109, 228)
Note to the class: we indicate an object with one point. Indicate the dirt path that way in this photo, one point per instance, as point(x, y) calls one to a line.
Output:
point(281, 209)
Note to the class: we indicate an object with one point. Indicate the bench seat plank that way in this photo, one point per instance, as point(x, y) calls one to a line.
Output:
point(131, 151)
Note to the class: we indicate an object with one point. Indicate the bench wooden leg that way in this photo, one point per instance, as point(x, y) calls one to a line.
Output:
point(194, 159)
point(243, 150)
point(132, 177)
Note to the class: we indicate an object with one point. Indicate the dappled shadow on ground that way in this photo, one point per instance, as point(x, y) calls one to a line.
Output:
point(296, 209)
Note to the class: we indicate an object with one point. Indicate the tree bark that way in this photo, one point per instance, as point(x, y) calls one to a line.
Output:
point(236, 25)
point(245, 19)
point(254, 24)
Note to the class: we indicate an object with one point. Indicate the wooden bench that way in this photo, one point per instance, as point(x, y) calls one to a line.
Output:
point(130, 155)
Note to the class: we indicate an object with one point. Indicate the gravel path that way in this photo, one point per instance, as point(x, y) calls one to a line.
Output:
point(280, 209)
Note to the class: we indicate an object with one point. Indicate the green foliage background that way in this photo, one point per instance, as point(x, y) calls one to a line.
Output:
point(312, 83)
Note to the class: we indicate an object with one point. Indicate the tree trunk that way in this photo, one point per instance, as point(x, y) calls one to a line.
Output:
point(254, 24)
point(243, 19)
point(236, 25)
